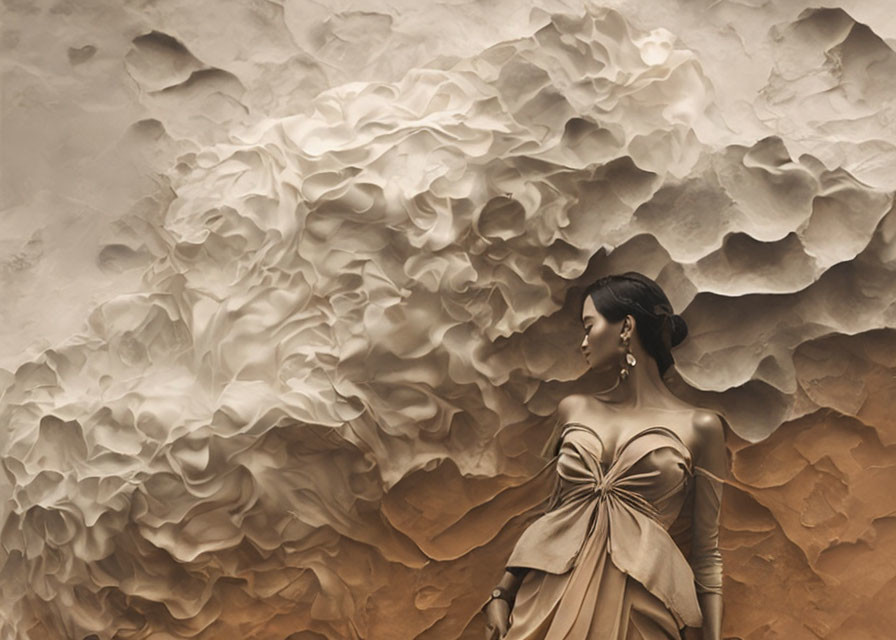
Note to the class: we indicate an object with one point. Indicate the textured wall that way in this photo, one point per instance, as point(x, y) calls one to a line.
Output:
point(288, 298)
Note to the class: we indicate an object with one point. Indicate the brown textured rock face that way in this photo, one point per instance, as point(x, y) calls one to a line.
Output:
point(288, 300)
point(813, 500)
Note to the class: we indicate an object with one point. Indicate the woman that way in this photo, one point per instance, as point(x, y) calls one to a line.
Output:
point(633, 465)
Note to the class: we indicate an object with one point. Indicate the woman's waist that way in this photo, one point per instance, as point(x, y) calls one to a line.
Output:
point(660, 503)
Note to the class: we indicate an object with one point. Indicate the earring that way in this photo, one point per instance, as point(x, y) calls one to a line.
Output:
point(630, 360)
point(623, 373)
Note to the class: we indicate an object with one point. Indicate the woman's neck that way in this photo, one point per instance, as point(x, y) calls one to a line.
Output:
point(643, 388)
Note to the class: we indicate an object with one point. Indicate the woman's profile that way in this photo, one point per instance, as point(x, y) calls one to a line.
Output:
point(633, 464)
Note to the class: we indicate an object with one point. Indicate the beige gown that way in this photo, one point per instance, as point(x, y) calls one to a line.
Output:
point(603, 565)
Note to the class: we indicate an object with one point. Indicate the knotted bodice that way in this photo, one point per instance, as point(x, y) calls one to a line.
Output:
point(630, 501)
point(646, 473)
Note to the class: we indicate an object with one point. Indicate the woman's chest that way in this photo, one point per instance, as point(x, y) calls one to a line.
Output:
point(615, 431)
point(654, 470)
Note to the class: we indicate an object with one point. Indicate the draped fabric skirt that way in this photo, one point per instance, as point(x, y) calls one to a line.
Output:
point(592, 601)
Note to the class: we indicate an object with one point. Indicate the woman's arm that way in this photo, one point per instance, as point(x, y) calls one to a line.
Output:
point(710, 469)
point(497, 610)
point(566, 409)
point(512, 579)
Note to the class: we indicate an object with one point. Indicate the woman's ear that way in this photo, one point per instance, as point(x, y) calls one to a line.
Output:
point(628, 326)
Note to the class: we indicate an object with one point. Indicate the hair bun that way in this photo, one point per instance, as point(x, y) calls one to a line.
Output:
point(679, 329)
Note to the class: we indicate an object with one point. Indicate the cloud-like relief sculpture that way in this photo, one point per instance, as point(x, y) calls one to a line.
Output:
point(354, 321)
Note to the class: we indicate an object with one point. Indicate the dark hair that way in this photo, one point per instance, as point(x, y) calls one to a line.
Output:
point(633, 293)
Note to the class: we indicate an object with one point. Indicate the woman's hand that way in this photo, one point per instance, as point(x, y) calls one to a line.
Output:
point(497, 619)
point(497, 610)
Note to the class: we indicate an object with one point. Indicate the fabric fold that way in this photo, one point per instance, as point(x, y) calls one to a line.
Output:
point(620, 514)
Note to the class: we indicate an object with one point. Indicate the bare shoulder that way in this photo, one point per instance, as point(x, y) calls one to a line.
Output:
point(709, 434)
point(707, 423)
point(571, 405)
point(581, 407)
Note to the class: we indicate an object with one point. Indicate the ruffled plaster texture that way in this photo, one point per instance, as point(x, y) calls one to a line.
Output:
point(322, 343)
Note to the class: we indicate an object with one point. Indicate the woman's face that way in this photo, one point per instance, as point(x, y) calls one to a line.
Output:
point(601, 344)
